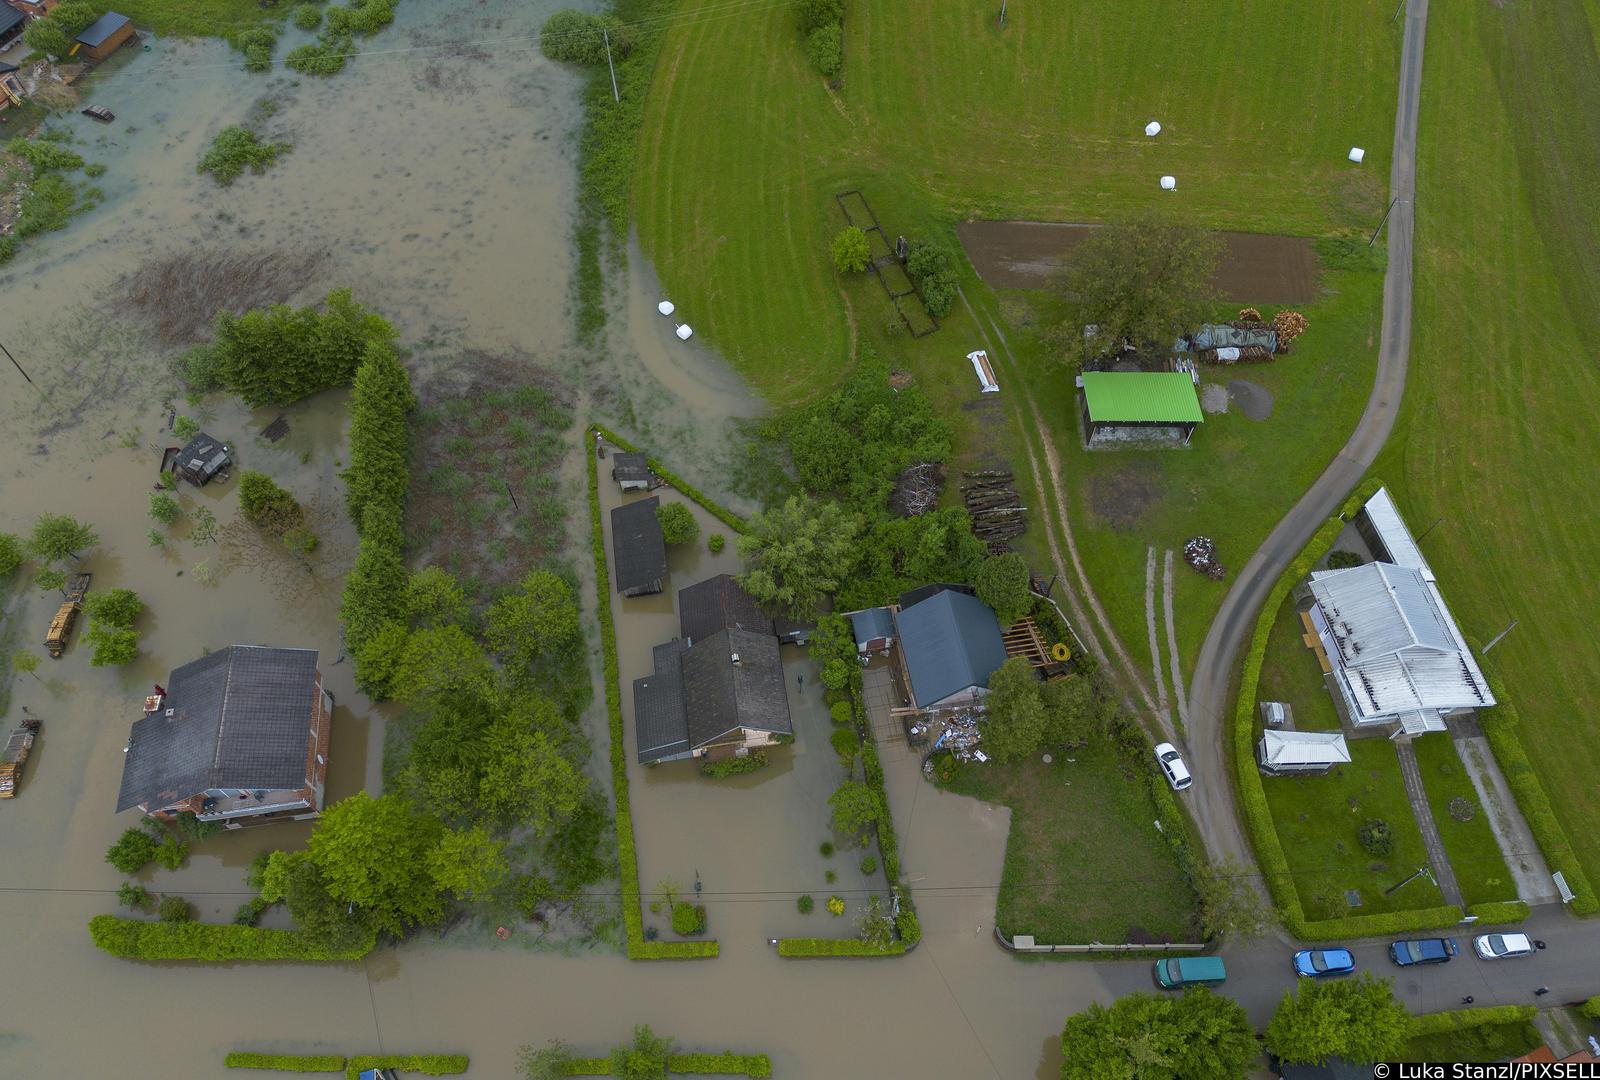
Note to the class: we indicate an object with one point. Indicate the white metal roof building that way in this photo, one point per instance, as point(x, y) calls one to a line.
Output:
point(1398, 655)
point(1302, 751)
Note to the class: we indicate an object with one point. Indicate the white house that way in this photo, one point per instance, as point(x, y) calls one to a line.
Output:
point(1301, 751)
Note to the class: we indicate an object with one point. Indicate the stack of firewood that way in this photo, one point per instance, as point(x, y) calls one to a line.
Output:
point(995, 506)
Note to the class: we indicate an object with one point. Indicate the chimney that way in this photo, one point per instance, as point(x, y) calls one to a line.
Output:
point(736, 659)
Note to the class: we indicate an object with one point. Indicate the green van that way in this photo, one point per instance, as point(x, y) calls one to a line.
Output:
point(1190, 971)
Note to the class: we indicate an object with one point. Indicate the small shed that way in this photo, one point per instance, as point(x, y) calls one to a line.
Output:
point(1124, 405)
point(200, 460)
point(104, 36)
point(12, 23)
point(630, 472)
point(874, 630)
point(792, 631)
point(638, 548)
point(1301, 752)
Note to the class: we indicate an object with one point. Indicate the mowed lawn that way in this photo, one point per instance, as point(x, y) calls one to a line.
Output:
point(1290, 673)
point(1084, 861)
point(940, 116)
point(1499, 435)
point(1474, 856)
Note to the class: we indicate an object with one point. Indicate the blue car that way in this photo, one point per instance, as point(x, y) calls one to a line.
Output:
point(1437, 950)
point(1320, 963)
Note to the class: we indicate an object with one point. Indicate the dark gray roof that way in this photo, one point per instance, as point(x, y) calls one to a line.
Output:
point(922, 592)
point(637, 544)
point(660, 725)
point(6, 69)
point(203, 454)
point(720, 695)
point(718, 603)
point(789, 629)
point(96, 32)
point(629, 467)
point(241, 718)
point(872, 623)
point(951, 643)
point(9, 17)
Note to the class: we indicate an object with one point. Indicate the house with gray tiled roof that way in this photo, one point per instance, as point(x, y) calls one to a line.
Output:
point(721, 696)
point(238, 737)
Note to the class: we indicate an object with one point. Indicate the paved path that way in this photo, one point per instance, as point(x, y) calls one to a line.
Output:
point(1214, 668)
point(1523, 858)
point(1417, 795)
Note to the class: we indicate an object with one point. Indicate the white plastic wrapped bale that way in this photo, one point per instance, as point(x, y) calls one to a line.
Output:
point(1227, 354)
point(684, 332)
point(1153, 128)
point(1356, 154)
point(666, 307)
point(1169, 183)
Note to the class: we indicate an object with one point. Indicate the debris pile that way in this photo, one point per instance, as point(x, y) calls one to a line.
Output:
point(995, 506)
point(1201, 553)
point(917, 489)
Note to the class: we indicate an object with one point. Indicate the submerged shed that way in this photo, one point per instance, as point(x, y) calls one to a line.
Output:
point(637, 547)
point(630, 471)
point(200, 460)
point(104, 36)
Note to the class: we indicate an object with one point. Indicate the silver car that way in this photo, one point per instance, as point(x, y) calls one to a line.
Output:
point(1498, 946)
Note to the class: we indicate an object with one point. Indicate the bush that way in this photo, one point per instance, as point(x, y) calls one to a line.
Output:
point(1343, 560)
point(136, 939)
point(846, 744)
point(1375, 837)
point(678, 525)
point(303, 1063)
point(869, 864)
point(835, 906)
point(1591, 1008)
point(132, 852)
point(716, 542)
point(805, 947)
point(236, 149)
point(851, 252)
point(688, 920)
point(172, 852)
point(324, 57)
point(10, 553)
point(929, 267)
point(826, 849)
point(578, 37)
point(175, 909)
point(734, 766)
point(308, 16)
point(825, 50)
point(257, 45)
point(805, 904)
point(133, 896)
point(163, 507)
point(815, 14)
point(249, 913)
point(43, 155)
point(840, 713)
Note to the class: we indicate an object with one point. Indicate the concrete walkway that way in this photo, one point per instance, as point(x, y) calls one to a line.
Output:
point(1523, 857)
point(1443, 872)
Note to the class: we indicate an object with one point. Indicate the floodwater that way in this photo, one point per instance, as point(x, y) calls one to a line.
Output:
point(435, 177)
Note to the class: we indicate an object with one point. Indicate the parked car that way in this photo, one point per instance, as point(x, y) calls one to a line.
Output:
point(1182, 971)
point(1437, 950)
point(1171, 763)
point(1495, 946)
point(1320, 963)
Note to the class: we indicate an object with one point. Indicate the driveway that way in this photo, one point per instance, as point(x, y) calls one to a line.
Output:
point(1212, 683)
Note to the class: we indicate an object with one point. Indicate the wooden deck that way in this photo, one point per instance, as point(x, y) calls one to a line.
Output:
point(1022, 639)
point(1313, 641)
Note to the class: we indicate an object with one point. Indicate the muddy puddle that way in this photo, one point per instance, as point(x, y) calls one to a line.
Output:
point(434, 177)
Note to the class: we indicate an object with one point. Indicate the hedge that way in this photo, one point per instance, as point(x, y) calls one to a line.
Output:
point(426, 1064)
point(758, 1066)
point(810, 946)
point(304, 1063)
point(711, 506)
point(1253, 796)
point(1591, 1008)
point(1500, 725)
point(1502, 912)
point(136, 939)
point(1457, 1019)
point(627, 855)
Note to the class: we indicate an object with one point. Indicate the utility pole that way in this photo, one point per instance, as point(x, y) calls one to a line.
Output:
point(1398, 8)
point(1501, 634)
point(607, 35)
point(1381, 220)
point(1002, 14)
point(14, 364)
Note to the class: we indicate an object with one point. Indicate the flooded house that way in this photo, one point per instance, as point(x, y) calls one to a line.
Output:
point(721, 603)
point(238, 737)
point(104, 36)
point(631, 472)
point(719, 697)
point(199, 461)
point(638, 549)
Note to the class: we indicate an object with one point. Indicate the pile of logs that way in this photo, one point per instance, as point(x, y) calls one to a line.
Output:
point(1200, 552)
point(995, 506)
point(917, 489)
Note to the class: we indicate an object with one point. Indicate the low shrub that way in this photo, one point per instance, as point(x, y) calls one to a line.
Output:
point(929, 266)
point(1504, 911)
point(678, 525)
point(805, 904)
point(175, 909)
point(257, 44)
point(840, 712)
point(846, 744)
point(1591, 1008)
point(802, 947)
point(580, 37)
point(757, 1066)
point(249, 913)
point(132, 895)
point(716, 542)
point(172, 852)
point(869, 864)
point(734, 766)
point(826, 848)
point(236, 149)
point(323, 57)
point(308, 16)
point(1457, 1019)
point(835, 906)
point(815, 14)
point(426, 1064)
point(301, 1063)
point(133, 850)
point(688, 920)
point(136, 939)
point(1375, 837)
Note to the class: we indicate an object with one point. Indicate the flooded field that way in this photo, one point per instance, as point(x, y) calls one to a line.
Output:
point(434, 177)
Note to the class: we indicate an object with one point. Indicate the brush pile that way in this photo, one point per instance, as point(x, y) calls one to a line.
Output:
point(1200, 552)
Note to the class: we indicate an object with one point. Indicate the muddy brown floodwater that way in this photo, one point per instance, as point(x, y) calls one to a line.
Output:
point(435, 177)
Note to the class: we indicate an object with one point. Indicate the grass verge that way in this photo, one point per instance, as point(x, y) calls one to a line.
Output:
point(1489, 1034)
point(1474, 855)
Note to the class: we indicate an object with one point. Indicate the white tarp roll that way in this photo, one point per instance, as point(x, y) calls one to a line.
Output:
point(1169, 183)
point(684, 332)
point(1228, 353)
point(1356, 154)
point(665, 307)
point(1153, 128)
point(980, 364)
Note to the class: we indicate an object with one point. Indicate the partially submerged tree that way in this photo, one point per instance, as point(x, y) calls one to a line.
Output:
point(799, 553)
point(10, 554)
point(1145, 279)
point(856, 808)
point(60, 536)
point(678, 525)
point(539, 619)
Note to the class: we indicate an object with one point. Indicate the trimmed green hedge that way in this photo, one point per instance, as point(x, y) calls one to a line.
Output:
point(1591, 1008)
point(811, 946)
point(1500, 725)
point(712, 507)
point(136, 939)
point(304, 1063)
point(426, 1064)
point(1253, 796)
point(627, 855)
point(1503, 912)
point(1456, 1019)
point(757, 1066)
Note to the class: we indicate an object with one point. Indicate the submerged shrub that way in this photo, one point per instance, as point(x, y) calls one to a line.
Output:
point(236, 149)
point(579, 37)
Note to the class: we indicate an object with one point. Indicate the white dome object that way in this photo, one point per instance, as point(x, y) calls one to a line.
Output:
point(1169, 183)
point(665, 307)
point(1356, 154)
point(1153, 128)
point(684, 332)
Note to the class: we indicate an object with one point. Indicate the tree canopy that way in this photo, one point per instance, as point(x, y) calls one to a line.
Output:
point(1195, 1036)
point(380, 448)
point(678, 525)
point(1231, 905)
point(278, 354)
point(856, 808)
point(10, 553)
point(435, 598)
point(1016, 723)
point(799, 552)
point(60, 536)
point(539, 618)
point(850, 250)
point(1003, 583)
point(1359, 1020)
point(1145, 279)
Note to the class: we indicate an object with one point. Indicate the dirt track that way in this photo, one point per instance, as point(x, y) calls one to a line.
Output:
point(1255, 269)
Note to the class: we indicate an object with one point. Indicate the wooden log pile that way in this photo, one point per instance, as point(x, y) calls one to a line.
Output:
point(995, 507)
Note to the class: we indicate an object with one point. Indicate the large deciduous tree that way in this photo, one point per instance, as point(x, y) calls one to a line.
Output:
point(799, 552)
point(1003, 584)
point(1146, 279)
point(856, 808)
point(1017, 721)
point(1359, 1020)
point(380, 448)
point(1198, 1036)
point(60, 536)
point(1231, 905)
point(539, 619)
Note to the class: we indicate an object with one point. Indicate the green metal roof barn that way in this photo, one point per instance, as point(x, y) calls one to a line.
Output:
point(1116, 404)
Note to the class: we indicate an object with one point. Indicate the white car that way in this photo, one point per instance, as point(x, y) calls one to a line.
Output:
point(1495, 946)
point(1171, 763)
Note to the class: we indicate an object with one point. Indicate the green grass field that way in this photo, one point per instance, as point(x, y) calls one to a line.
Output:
point(1317, 818)
point(1289, 672)
point(1498, 436)
point(200, 18)
point(1474, 856)
point(1083, 860)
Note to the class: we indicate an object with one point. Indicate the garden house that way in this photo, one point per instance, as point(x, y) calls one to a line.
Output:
point(950, 643)
point(1138, 406)
point(874, 630)
point(630, 472)
point(239, 737)
point(200, 460)
point(104, 36)
point(1301, 752)
point(12, 24)
point(638, 549)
